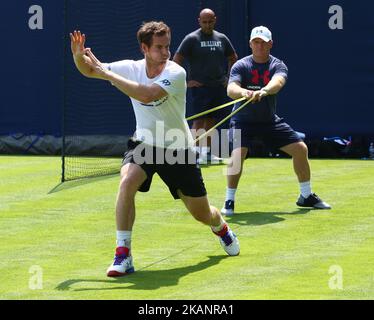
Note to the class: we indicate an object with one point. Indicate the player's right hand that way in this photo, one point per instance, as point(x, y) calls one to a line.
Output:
point(77, 41)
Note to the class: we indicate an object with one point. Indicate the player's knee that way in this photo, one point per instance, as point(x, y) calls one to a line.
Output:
point(303, 149)
point(127, 185)
point(300, 150)
point(239, 155)
point(234, 166)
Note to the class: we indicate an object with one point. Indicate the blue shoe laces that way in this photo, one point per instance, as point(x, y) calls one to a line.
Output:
point(119, 259)
point(227, 239)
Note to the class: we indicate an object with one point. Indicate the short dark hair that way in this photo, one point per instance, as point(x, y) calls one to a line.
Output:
point(148, 29)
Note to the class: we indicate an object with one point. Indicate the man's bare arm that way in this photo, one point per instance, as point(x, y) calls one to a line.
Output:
point(178, 58)
point(81, 60)
point(230, 61)
point(276, 83)
point(140, 92)
point(235, 91)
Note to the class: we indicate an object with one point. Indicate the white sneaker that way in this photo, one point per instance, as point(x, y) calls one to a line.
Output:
point(228, 240)
point(228, 208)
point(122, 264)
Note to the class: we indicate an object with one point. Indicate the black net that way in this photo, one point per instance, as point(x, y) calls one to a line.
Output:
point(98, 119)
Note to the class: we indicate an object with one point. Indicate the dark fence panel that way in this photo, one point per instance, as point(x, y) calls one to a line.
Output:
point(331, 71)
point(329, 91)
point(32, 67)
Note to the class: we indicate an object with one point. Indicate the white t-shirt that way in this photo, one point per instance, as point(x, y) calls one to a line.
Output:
point(161, 123)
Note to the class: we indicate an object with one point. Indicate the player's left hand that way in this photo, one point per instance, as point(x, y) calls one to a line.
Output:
point(95, 64)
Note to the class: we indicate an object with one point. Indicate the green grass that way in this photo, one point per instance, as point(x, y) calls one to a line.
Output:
point(286, 252)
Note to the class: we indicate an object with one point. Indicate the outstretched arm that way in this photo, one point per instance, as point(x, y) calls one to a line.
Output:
point(81, 60)
point(140, 92)
point(235, 91)
point(276, 83)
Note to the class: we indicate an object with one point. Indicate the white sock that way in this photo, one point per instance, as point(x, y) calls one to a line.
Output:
point(305, 189)
point(124, 239)
point(230, 194)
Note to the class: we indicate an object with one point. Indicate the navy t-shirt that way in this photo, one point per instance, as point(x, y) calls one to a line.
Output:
point(206, 56)
point(254, 76)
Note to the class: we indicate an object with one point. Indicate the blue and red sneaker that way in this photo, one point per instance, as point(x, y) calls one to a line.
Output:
point(122, 264)
point(228, 240)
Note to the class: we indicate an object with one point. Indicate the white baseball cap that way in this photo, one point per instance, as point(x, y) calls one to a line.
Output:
point(262, 33)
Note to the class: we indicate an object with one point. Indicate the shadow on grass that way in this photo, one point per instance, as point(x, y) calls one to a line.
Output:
point(80, 182)
point(145, 279)
point(257, 218)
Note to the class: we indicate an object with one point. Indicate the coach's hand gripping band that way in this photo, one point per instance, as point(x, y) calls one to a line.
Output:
point(223, 120)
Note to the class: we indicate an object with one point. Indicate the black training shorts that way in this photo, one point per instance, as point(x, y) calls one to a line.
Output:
point(183, 175)
point(275, 135)
point(205, 98)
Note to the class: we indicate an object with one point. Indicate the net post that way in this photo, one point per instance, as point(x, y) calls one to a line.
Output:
point(64, 91)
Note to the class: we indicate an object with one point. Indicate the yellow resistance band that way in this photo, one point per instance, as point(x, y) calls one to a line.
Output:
point(223, 120)
point(214, 109)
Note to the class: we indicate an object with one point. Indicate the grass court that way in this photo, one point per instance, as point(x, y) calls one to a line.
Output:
point(65, 236)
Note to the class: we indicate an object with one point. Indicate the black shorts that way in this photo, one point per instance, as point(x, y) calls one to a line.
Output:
point(184, 175)
point(274, 135)
point(205, 98)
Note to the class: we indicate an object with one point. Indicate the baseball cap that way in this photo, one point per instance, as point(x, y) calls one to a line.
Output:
point(262, 33)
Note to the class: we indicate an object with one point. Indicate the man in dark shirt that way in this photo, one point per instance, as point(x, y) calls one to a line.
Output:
point(206, 51)
point(261, 76)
